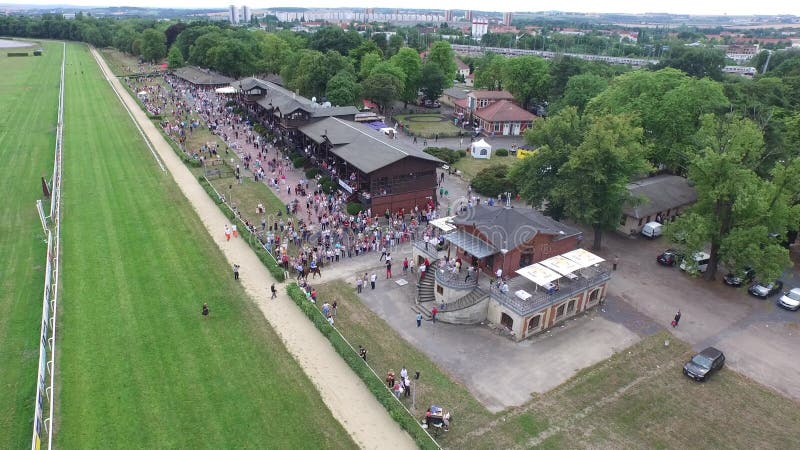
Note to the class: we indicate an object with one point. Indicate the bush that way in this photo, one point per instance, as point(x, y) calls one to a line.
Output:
point(272, 265)
point(327, 185)
point(299, 161)
point(501, 152)
point(312, 173)
point(354, 208)
point(492, 181)
point(360, 367)
point(447, 155)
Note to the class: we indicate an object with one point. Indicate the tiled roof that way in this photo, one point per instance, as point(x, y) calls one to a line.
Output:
point(492, 95)
point(504, 111)
point(659, 193)
point(198, 76)
point(511, 227)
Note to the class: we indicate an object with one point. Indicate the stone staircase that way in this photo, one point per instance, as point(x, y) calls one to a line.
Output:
point(473, 298)
point(425, 289)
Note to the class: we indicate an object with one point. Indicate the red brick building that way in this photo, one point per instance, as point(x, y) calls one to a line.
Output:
point(494, 112)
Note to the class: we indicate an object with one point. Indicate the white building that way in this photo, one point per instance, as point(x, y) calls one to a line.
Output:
point(246, 14)
point(233, 14)
point(479, 28)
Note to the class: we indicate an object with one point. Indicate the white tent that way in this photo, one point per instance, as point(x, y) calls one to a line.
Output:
point(226, 90)
point(480, 150)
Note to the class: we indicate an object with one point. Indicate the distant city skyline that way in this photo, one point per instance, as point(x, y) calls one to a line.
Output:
point(693, 7)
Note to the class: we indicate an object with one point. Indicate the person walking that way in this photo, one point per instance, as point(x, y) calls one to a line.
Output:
point(405, 265)
point(616, 262)
point(333, 308)
point(372, 279)
point(419, 320)
point(362, 352)
point(205, 309)
point(274, 291)
point(227, 233)
point(234, 231)
point(407, 383)
point(359, 284)
point(434, 311)
point(676, 319)
point(235, 271)
point(388, 269)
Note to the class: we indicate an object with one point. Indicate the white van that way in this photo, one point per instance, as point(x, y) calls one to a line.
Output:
point(652, 230)
point(701, 260)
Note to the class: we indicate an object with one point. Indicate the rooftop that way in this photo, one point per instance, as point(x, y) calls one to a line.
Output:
point(659, 193)
point(198, 76)
point(281, 99)
point(504, 111)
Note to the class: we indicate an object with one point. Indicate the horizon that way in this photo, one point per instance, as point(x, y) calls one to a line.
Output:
point(676, 7)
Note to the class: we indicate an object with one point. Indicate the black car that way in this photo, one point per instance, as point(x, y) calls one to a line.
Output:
point(704, 364)
point(762, 290)
point(736, 280)
point(670, 257)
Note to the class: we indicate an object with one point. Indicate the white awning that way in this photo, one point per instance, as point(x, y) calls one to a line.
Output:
point(539, 274)
point(561, 264)
point(583, 258)
point(226, 90)
point(444, 223)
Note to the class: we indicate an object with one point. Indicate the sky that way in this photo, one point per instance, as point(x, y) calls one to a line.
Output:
point(695, 7)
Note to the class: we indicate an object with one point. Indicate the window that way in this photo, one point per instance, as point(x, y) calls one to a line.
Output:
point(571, 306)
point(526, 259)
point(440, 290)
point(535, 322)
point(560, 311)
point(594, 296)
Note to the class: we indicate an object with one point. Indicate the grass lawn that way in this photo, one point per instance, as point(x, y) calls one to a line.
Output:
point(139, 366)
point(428, 125)
point(29, 105)
point(122, 64)
point(638, 398)
point(470, 166)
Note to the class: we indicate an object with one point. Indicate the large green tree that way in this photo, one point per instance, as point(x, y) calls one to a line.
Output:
point(698, 62)
point(441, 54)
point(432, 81)
point(153, 45)
point(581, 89)
point(527, 78)
point(489, 71)
point(736, 209)
point(343, 89)
point(273, 52)
point(410, 63)
point(175, 58)
point(592, 184)
point(382, 88)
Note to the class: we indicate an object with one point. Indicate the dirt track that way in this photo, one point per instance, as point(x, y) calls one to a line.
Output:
point(346, 396)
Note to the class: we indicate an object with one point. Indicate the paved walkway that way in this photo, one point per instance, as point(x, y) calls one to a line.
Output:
point(342, 391)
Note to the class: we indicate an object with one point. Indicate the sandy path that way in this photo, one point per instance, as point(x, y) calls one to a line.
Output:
point(343, 392)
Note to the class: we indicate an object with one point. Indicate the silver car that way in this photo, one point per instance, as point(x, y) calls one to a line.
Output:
point(790, 300)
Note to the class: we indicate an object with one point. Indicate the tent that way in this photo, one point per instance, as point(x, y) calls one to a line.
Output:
point(480, 150)
point(226, 90)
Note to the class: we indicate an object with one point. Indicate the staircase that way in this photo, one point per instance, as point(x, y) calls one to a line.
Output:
point(473, 298)
point(425, 289)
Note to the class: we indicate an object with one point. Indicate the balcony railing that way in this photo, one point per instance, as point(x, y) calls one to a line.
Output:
point(446, 277)
point(541, 299)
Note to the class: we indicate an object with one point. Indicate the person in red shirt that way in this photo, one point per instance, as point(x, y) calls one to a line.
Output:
point(434, 311)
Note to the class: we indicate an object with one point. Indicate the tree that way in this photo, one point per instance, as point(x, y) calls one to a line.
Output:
point(489, 72)
point(443, 56)
point(527, 78)
point(153, 45)
point(382, 88)
point(736, 209)
point(273, 51)
point(554, 138)
point(367, 63)
point(198, 52)
point(124, 37)
point(172, 32)
point(592, 184)
point(334, 38)
point(231, 57)
point(343, 89)
point(581, 89)
point(410, 63)
point(698, 62)
point(175, 58)
point(432, 81)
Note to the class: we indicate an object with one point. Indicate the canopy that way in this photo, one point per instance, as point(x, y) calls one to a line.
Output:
point(561, 264)
point(470, 244)
point(444, 223)
point(480, 149)
point(226, 90)
point(583, 258)
point(539, 274)
point(142, 93)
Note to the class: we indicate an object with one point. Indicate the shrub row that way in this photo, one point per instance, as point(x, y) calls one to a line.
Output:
point(299, 161)
point(493, 181)
point(447, 155)
point(501, 152)
point(359, 366)
point(270, 262)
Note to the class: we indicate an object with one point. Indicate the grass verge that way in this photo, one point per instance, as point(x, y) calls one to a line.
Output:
point(29, 105)
point(359, 366)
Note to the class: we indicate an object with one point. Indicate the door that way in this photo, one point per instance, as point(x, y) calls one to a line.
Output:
point(516, 129)
point(506, 321)
point(506, 129)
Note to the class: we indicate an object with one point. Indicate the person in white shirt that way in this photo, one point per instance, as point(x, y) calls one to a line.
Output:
point(372, 279)
point(499, 274)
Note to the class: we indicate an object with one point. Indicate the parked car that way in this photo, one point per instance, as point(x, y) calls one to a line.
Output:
point(736, 280)
point(652, 230)
point(669, 257)
point(703, 364)
point(762, 290)
point(699, 262)
point(790, 300)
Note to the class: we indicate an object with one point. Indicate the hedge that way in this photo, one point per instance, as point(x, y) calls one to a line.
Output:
point(501, 152)
point(312, 173)
point(354, 208)
point(272, 265)
point(360, 367)
point(493, 181)
point(447, 155)
point(299, 161)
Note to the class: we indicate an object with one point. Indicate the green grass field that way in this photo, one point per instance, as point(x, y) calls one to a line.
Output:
point(139, 366)
point(28, 114)
point(428, 125)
